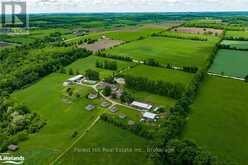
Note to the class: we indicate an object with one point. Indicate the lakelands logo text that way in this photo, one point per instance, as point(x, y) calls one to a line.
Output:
point(10, 159)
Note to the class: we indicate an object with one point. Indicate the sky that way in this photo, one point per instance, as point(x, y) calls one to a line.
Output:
point(86, 6)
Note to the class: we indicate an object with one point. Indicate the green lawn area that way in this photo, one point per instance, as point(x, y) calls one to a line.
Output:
point(63, 118)
point(104, 137)
point(219, 119)
point(230, 63)
point(236, 44)
point(167, 50)
point(130, 113)
point(83, 64)
point(156, 73)
point(243, 34)
point(153, 99)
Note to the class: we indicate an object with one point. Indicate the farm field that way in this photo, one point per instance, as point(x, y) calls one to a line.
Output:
point(62, 118)
point(230, 63)
point(163, 74)
point(236, 44)
point(105, 136)
point(194, 30)
point(219, 119)
point(236, 34)
point(84, 64)
point(167, 50)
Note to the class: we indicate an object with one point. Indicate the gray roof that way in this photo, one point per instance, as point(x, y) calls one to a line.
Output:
point(90, 107)
point(12, 147)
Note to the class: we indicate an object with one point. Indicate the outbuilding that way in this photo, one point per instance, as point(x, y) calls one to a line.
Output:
point(150, 116)
point(141, 105)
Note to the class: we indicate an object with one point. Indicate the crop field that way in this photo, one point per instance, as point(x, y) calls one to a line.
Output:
point(167, 51)
point(105, 137)
point(236, 44)
point(230, 63)
point(219, 119)
point(101, 44)
point(62, 116)
point(163, 74)
point(84, 64)
point(194, 30)
point(237, 34)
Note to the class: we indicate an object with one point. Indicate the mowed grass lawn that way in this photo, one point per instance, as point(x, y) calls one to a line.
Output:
point(163, 74)
point(231, 63)
point(106, 139)
point(167, 51)
point(84, 64)
point(46, 99)
point(236, 44)
point(219, 119)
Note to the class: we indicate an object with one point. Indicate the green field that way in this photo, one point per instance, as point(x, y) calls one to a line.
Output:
point(219, 119)
point(130, 35)
point(167, 50)
point(156, 73)
point(243, 34)
point(83, 64)
point(230, 63)
point(62, 117)
point(104, 137)
point(236, 44)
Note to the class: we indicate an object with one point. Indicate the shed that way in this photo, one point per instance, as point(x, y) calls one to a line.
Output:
point(149, 116)
point(12, 147)
point(90, 107)
point(141, 105)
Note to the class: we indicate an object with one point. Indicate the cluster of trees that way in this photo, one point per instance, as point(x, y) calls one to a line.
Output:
point(92, 75)
point(180, 36)
point(246, 78)
point(20, 68)
point(215, 25)
point(122, 58)
point(157, 87)
point(16, 123)
point(152, 62)
point(111, 65)
point(126, 97)
point(138, 128)
point(190, 69)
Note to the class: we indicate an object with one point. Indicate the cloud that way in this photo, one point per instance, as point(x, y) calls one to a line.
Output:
point(46, 6)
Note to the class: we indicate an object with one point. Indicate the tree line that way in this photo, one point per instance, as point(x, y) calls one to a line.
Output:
point(157, 87)
point(106, 64)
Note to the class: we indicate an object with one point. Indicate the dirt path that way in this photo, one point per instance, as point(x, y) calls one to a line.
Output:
point(77, 140)
point(230, 77)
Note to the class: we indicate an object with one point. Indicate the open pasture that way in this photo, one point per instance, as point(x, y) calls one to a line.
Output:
point(112, 145)
point(219, 119)
point(230, 63)
point(163, 74)
point(237, 34)
point(63, 115)
point(167, 51)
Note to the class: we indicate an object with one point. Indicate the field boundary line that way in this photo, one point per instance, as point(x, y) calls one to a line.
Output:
point(230, 77)
point(79, 138)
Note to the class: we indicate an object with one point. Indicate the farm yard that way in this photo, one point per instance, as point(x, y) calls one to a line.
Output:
point(165, 50)
point(219, 119)
point(230, 63)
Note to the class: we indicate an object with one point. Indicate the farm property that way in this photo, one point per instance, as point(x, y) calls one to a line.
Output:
point(198, 30)
point(230, 63)
point(219, 119)
point(166, 50)
point(236, 44)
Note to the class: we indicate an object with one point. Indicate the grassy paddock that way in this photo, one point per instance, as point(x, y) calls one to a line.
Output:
point(219, 119)
point(236, 44)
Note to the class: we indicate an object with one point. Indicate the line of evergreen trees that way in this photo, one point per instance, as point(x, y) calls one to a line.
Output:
point(122, 58)
point(157, 87)
point(110, 65)
point(180, 36)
